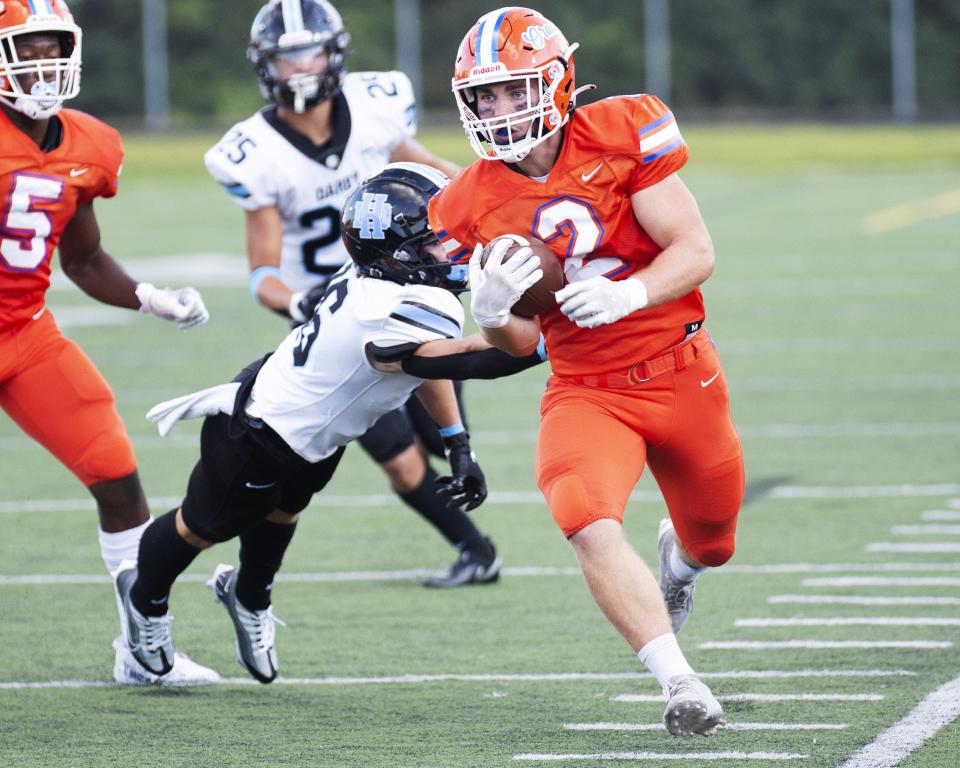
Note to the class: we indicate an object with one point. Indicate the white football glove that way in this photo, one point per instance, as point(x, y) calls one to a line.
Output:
point(498, 285)
point(598, 301)
point(181, 305)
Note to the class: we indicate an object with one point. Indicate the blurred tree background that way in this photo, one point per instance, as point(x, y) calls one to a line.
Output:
point(729, 58)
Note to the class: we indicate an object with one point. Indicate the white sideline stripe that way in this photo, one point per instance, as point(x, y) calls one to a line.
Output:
point(492, 678)
point(941, 514)
point(330, 577)
point(859, 600)
point(953, 503)
point(838, 567)
point(761, 645)
point(938, 547)
point(651, 699)
point(923, 530)
point(643, 756)
point(891, 747)
point(526, 497)
point(883, 581)
point(851, 621)
point(214, 269)
point(727, 727)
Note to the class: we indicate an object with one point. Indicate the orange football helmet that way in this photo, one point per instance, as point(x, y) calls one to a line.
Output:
point(55, 79)
point(514, 44)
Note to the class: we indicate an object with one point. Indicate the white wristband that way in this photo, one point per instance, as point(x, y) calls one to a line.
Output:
point(143, 292)
point(636, 293)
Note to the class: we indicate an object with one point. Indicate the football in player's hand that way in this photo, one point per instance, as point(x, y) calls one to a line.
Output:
point(538, 298)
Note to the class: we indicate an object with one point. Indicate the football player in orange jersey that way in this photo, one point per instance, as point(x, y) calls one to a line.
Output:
point(54, 164)
point(636, 379)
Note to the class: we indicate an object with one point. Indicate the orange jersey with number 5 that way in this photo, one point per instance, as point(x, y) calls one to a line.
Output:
point(582, 210)
point(39, 194)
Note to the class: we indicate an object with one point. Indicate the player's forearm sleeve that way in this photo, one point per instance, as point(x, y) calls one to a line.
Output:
point(485, 364)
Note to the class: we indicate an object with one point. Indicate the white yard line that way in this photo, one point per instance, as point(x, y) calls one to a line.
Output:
point(953, 503)
point(764, 645)
point(951, 565)
point(645, 756)
point(652, 698)
point(855, 621)
point(560, 677)
point(330, 577)
point(938, 547)
point(861, 600)
point(883, 581)
point(925, 530)
point(895, 744)
point(941, 514)
point(782, 492)
point(727, 727)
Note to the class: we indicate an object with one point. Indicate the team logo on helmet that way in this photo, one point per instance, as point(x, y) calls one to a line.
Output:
point(371, 216)
point(537, 36)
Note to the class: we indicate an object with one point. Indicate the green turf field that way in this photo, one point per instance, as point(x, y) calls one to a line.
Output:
point(834, 305)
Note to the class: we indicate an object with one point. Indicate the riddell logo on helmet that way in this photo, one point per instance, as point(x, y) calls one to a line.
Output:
point(498, 67)
point(537, 36)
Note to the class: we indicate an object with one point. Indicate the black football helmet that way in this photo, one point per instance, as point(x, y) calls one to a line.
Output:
point(298, 32)
point(385, 229)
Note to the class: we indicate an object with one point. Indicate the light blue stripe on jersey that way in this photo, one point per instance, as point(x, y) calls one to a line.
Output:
point(427, 318)
point(656, 123)
point(237, 190)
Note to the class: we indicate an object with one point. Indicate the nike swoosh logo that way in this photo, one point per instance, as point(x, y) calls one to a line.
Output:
point(260, 486)
point(588, 176)
point(78, 171)
point(709, 381)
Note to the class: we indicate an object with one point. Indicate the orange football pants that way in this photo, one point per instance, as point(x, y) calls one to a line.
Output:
point(594, 442)
point(54, 392)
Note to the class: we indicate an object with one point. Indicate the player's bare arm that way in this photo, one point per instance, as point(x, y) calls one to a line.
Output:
point(264, 232)
point(668, 212)
point(93, 270)
point(99, 275)
point(412, 151)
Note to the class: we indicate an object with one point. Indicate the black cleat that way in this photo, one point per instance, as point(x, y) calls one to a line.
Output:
point(470, 568)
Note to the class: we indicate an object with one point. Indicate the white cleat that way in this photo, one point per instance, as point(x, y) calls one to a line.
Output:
point(127, 671)
point(677, 594)
point(691, 708)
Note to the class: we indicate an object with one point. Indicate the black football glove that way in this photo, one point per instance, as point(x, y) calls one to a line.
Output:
point(466, 486)
point(308, 302)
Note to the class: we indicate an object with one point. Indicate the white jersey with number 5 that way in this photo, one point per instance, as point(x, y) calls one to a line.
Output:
point(318, 391)
point(263, 162)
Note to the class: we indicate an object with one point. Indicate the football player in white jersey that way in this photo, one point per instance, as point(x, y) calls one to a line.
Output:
point(290, 167)
point(389, 325)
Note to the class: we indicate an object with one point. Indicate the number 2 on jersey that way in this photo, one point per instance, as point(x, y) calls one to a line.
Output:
point(573, 218)
point(24, 228)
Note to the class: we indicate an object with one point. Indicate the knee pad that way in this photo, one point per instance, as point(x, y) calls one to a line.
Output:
point(108, 457)
point(572, 507)
point(712, 552)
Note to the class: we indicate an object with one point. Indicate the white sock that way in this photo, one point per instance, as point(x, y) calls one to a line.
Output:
point(680, 569)
point(663, 657)
point(114, 549)
point(120, 546)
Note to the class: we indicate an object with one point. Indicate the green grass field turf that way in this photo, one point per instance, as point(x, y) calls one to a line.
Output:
point(843, 355)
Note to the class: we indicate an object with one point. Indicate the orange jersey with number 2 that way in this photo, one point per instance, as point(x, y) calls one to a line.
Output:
point(582, 210)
